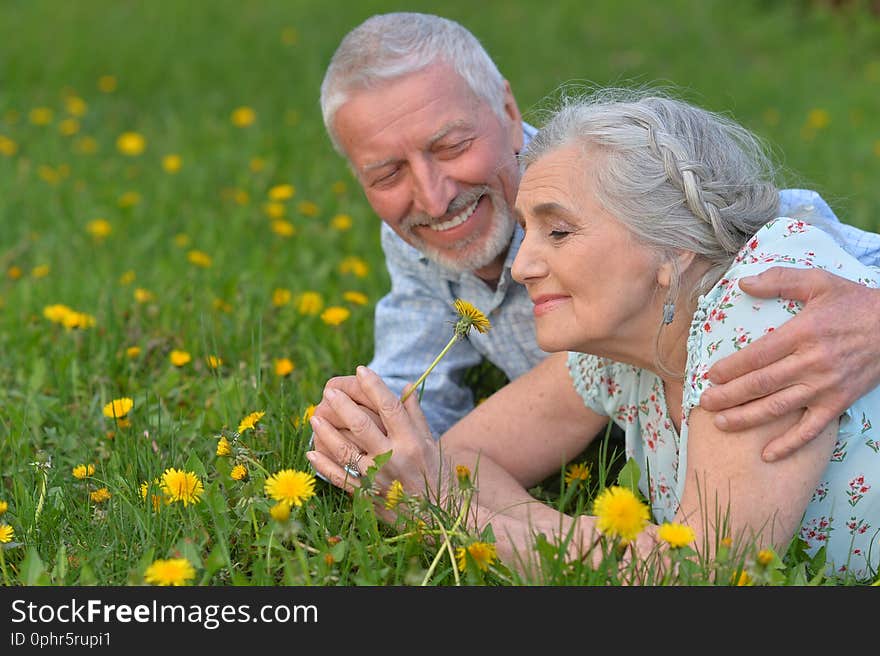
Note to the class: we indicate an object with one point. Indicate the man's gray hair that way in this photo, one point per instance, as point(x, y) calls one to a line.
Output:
point(388, 46)
point(677, 176)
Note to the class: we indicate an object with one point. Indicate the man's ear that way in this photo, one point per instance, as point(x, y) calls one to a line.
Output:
point(679, 263)
point(511, 111)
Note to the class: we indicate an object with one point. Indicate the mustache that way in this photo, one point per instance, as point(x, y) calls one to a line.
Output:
point(457, 204)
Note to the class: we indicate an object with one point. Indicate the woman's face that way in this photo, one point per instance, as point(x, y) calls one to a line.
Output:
point(595, 288)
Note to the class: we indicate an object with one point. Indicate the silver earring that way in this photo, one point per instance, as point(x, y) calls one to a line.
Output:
point(668, 312)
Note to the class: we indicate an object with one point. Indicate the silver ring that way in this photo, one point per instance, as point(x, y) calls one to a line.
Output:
point(351, 471)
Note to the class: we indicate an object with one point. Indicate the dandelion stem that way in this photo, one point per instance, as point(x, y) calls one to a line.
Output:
point(3, 567)
point(428, 370)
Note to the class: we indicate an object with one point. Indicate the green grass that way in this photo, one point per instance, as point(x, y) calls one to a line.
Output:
point(180, 71)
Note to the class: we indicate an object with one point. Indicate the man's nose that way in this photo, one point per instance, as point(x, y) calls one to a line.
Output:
point(433, 189)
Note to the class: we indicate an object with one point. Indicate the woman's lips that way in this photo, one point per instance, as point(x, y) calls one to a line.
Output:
point(547, 303)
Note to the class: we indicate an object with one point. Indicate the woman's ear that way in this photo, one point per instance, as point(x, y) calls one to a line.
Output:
point(677, 264)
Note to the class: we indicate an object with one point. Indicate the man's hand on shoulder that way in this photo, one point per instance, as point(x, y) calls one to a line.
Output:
point(822, 360)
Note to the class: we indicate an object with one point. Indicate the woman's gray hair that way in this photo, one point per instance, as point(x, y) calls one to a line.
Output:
point(679, 177)
point(388, 46)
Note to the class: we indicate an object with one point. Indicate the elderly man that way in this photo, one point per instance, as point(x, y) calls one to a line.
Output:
point(432, 131)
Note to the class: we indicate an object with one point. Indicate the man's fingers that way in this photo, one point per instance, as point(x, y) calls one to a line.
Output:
point(750, 384)
point(760, 411)
point(784, 282)
point(808, 428)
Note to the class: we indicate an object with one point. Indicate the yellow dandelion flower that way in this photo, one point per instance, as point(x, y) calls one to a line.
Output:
point(394, 495)
point(179, 358)
point(290, 486)
point(257, 164)
point(213, 361)
point(463, 474)
point(75, 105)
point(281, 296)
point(482, 555)
point(199, 258)
point(83, 471)
point(283, 366)
point(4, 506)
point(341, 222)
point(172, 163)
point(306, 416)
point(131, 144)
point(128, 199)
point(241, 197)
point(577, 472)
point(224, 448)
point(238, 473)
point(14, 272)
point(818, 118)
point(41, 116)
point(742, 579)
point(132, 352)
point(118, 408)
point(156, 500)
point(242, 117)
point(289, 36)
point(179, 485)
point(181, 240)
point(174, 571)
point(127, 277)
point(40, 271)
point(727, 542)
point(7, 146)
point(358, 298)
point(56, 312)
point(68, 127)
point(335, 315)
point(78, 320)
point(339, 187)
point(765, 557)
point(142, 295)
point(274, 210)
point(283, 228)
point(250, 422)
point(7, 533)
point(676, 535)
point(309, 303)
point(280, 512)
point(307, 208)
point(620, 513)
point(281, 192)
point(99, 228)
point(100, 495)
point(220, 305)
point(470, 317)
point(86, 145)
point(107, 84)
point(354, 265)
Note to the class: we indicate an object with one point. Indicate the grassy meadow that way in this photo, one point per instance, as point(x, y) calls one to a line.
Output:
point(175, 229)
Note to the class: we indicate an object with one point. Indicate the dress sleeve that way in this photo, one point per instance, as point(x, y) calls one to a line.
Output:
point(728, 320)
point(595, 380)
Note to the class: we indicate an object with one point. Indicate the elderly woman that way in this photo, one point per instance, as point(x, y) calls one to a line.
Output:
point(641, 215)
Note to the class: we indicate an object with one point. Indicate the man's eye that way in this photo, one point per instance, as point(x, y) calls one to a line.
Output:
point(385, 178)
point(559, 234)
point(456, 148)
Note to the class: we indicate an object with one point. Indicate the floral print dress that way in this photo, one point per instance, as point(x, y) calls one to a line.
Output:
point(844, 512)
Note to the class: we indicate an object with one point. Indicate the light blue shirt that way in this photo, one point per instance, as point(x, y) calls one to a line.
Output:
point(413, 322)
